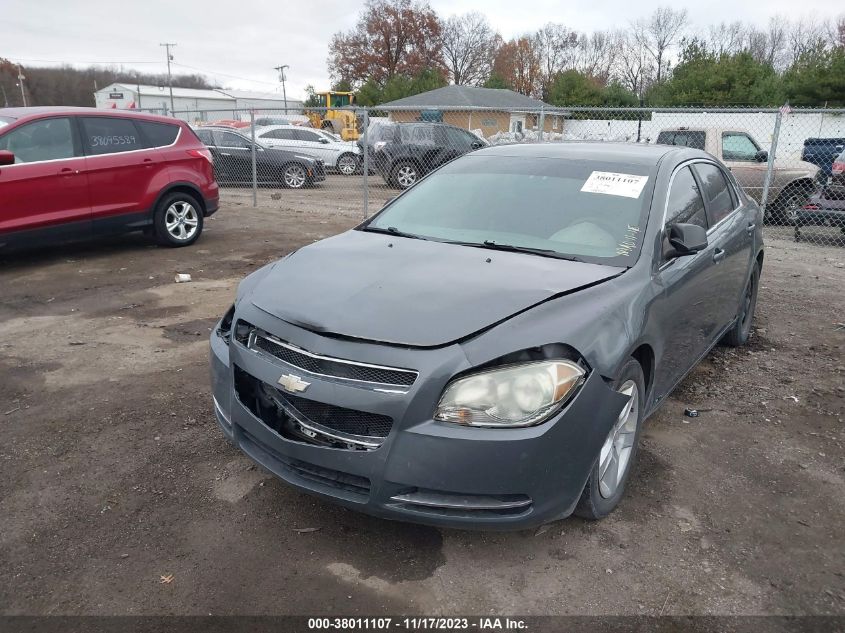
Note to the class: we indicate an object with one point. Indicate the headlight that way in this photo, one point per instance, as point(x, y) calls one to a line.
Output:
point(520, 395)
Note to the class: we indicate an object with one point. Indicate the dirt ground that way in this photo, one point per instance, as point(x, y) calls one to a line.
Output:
point(115, 477)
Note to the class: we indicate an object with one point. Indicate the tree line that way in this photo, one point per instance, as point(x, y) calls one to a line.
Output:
point(402, 47)
point(69, 86)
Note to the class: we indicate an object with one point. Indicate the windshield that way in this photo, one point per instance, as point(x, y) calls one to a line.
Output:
point(589, 210)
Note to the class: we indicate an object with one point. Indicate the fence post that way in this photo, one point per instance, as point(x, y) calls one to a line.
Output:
point(365, 123)
point(541, 124)
point(254, 172)
point(771, 163)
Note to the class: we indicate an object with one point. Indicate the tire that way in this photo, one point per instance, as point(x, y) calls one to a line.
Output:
point(739, 334)
point(603, 491)
point(178, 220)
point(347, 164)
point(404, 174)
point(782, 211)
point(294, 176)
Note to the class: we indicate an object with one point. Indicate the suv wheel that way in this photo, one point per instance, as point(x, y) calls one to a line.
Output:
point(294, 176)
point(405, 174)
point(347, 164)
point(178, 220)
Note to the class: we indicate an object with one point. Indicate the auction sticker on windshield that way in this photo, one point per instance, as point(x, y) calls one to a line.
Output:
point(614, 184)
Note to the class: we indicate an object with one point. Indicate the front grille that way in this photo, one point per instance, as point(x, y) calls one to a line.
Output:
point(303, 420)
point(339, 418)
point(332, 367)
point(320, 475)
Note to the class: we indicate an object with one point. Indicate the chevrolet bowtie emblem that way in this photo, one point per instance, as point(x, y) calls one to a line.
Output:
point(293, 384)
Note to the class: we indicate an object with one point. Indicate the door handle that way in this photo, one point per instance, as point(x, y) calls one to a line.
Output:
point(718, 255)
point(750, 228)
point(67, 171)
point(225, 154)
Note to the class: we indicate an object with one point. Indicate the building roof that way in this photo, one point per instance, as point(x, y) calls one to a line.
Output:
point(164, 91)
point(256, 96)
point(457, 96)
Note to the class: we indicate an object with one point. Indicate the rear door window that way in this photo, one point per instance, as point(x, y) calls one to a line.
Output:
point(716, 191)
point(683, 138)
point(109, 135)
point(279, 135)
point(45, 139)
point(158, 134)
point(205, 136)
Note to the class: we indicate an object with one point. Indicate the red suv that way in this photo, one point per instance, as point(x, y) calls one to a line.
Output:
point(69, 173)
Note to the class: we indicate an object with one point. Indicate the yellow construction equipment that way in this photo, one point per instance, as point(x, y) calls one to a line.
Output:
point(341, 122)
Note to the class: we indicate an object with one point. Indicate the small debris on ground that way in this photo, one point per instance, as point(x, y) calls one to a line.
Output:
point(306, 530)
point(182, 278)
point(691, 413)
point(166, 580)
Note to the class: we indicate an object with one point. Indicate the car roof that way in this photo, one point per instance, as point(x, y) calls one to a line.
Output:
point(33, 112)
point(633, 153)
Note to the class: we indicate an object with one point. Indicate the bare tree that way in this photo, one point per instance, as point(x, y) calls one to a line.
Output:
point(634, 65)
point(726, 38)
point(557, 50)
point(659, 32)
point(806, 36)
point(469, 46)
point(769, 46)
point(597, 54)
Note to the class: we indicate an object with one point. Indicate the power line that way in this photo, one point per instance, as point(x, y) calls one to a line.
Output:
point(211, 72)
point(65, 61)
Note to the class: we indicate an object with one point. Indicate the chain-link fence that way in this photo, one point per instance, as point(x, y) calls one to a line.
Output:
point(790, 161)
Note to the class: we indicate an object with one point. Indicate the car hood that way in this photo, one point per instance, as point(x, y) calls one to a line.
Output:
point(412, 292)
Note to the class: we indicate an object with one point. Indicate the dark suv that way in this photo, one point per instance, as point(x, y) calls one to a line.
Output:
point(405, 152)
point(69, 173)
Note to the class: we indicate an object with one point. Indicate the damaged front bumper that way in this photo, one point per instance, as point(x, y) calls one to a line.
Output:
point(405, 465)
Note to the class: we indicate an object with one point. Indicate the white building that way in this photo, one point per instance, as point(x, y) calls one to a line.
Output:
point(192, 104)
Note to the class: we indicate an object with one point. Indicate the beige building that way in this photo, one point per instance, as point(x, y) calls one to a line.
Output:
point(490, 110)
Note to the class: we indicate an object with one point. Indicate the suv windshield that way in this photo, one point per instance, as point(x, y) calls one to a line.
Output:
point(588, 210)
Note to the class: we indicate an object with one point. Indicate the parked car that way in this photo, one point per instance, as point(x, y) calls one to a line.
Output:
point(232, 152)
point(287, 119)
point(822, 152)
point(791, 184)
point(484, 350)
point(827, 206)
point(341, 156)
point(232, 123)
point(405, 152)
point(71, 173)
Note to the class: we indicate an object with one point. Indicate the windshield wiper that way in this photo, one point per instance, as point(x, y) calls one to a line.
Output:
point(543, 252)
point(392, 230)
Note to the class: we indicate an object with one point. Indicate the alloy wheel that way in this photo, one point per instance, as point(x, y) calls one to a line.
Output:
point(181, 220)
point(347, 165)
point(406, 176)
point(615, 454)
point(295, 176)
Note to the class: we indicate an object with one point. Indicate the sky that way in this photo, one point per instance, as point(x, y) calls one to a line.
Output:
point(239, 44)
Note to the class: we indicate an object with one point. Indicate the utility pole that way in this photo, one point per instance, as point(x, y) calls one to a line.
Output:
point(167, 45)
point(281, 70)
point(5, 97)
point(20, 83)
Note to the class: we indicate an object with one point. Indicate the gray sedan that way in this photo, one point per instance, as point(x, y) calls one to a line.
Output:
point(484, 351)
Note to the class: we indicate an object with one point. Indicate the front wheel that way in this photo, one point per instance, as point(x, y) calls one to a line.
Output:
point(347, 164)
point(178, 220)
point(785, 208)
point(606, 484)
point(294, 176)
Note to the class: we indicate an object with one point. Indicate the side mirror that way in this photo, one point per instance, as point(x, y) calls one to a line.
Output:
point(324, 140)
point(6, 157)
point(686, 239)
point(762, 156)
point(476, 145)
